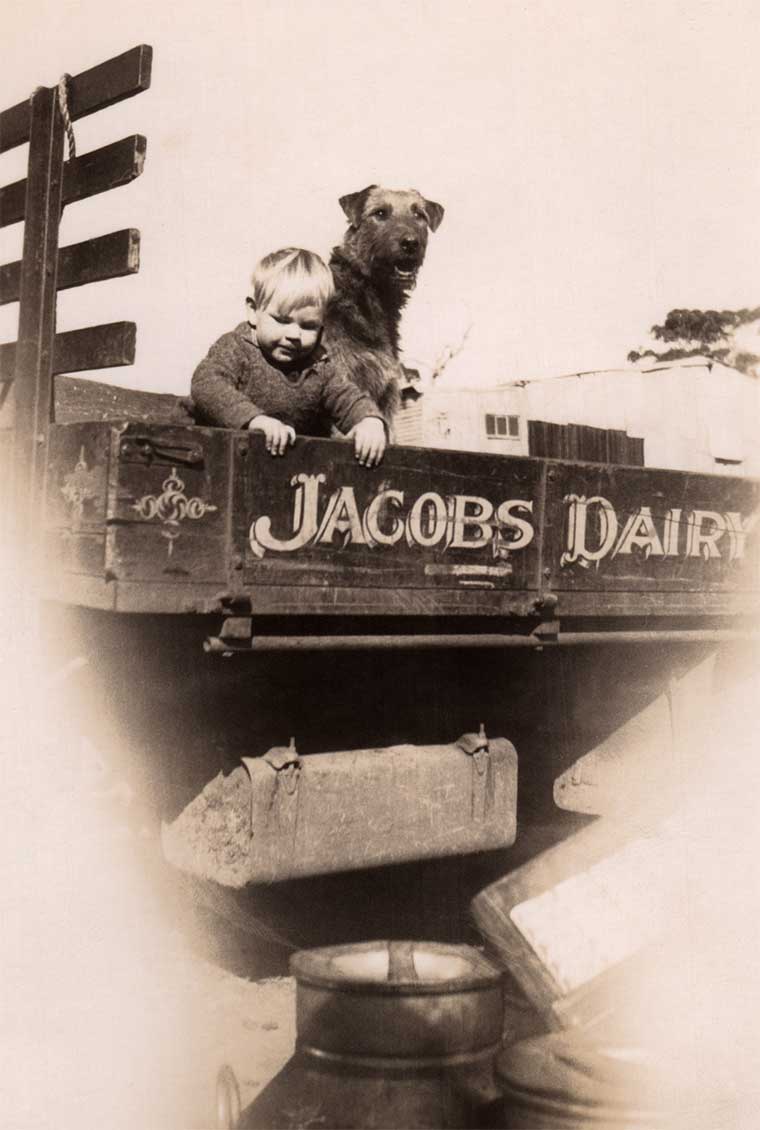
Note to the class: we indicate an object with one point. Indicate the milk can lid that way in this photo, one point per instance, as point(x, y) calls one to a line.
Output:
point(396, 967)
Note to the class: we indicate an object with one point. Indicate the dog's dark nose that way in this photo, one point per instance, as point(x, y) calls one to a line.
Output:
point(409, 244)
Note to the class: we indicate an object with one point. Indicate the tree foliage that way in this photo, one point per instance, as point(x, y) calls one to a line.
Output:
point(704, 333)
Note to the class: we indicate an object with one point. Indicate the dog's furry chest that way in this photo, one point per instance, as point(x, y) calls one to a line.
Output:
point(364, 315)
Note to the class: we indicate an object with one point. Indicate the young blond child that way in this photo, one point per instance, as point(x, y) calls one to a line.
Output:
point(272, 374)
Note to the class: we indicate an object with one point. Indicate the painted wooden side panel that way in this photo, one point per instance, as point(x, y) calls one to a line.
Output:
point(168, 509)
point(636, 530)
point(423, 520)
point(75, 499)
point(200, 519)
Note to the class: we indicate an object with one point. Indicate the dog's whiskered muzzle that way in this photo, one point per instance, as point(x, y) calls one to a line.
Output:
point(398, 266)
point(405, 259)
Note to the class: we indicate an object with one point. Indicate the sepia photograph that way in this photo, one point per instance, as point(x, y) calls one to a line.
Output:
point(380, 568)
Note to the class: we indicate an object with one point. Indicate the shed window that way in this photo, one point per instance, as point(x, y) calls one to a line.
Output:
point(502, 427)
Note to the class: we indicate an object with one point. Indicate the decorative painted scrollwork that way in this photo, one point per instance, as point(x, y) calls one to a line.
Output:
point(79, 487)
point(171, 507)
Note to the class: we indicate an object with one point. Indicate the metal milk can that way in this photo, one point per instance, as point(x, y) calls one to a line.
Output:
point(389, 1035)
point(572, 1081)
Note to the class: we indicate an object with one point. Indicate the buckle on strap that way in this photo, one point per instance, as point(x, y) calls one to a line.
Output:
point(476, 747)
point(286, 764)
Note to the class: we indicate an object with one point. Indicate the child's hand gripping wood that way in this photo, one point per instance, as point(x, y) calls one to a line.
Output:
point(370, 440)
point(279, 436)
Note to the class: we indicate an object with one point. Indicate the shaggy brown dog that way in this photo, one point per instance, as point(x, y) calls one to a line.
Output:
point(375, 268)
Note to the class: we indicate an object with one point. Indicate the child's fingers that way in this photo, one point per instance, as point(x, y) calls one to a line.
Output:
point(377, 451)
point(369, 455)
point(369, 441)
point(376, 454)
point(281, 438)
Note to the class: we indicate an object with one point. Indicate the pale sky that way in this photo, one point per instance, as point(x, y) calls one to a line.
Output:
point(598, 163)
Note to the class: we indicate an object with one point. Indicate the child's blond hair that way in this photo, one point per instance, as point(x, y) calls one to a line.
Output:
point(293, 277)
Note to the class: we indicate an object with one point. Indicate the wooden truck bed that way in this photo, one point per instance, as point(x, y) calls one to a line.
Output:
point(155, 518)
point(141, 511)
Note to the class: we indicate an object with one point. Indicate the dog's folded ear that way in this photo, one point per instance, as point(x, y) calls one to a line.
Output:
point(353, 204)
point(434, 214)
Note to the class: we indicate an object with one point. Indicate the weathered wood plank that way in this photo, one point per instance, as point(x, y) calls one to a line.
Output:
point(10, 282)
point(98, 171)
point(636, 451)
point(182, 595)
point(7, 361)
point(582, 442)
point(97, 347)
point(106, 257)
point(33, 355)
point(78, 399)
point(89, 91)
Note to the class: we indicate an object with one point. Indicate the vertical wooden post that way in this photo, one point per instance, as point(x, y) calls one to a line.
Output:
point(33, 382)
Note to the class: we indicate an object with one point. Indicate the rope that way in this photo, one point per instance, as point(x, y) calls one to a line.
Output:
point(63, 106)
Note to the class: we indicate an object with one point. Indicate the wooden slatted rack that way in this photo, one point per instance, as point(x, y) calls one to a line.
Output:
point(28, 365)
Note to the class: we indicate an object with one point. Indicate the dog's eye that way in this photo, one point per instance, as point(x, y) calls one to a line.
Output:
point(380, 213)
point(418, 213)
